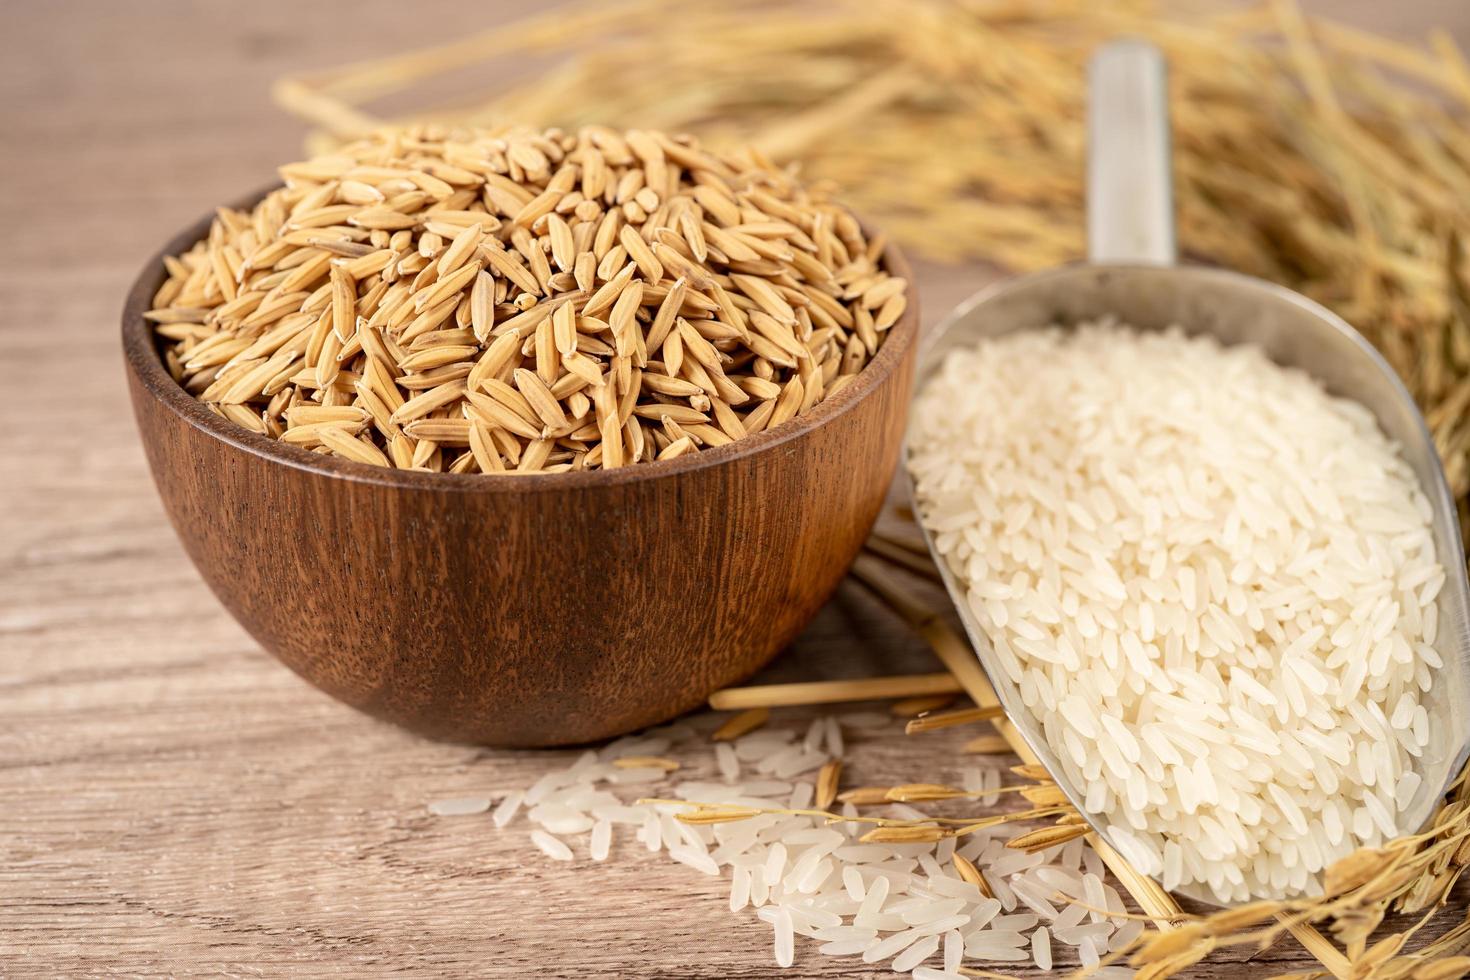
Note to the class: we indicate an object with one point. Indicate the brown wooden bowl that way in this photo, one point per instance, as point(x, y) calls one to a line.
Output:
point(523, 611)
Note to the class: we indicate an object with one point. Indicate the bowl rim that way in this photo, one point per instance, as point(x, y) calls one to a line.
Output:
point(144, 360)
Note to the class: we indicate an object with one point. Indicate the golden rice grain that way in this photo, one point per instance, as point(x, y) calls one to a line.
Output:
point(646, 762)
point(967, 871)
point(904, 835)
point(827, 781)
point(741, 724)
point(1040, 840)
point(930, 722)
point(865, 795)
point(923, 792)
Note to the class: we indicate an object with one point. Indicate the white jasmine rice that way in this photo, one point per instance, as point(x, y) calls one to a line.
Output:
point(1211, 582)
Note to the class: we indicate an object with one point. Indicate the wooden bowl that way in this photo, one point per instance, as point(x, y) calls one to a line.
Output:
point(523, 611)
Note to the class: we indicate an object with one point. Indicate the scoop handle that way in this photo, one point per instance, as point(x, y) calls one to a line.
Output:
point(1130, 194)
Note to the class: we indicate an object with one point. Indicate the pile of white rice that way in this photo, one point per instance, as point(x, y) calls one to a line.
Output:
point(1213, 584)
point(904, 904)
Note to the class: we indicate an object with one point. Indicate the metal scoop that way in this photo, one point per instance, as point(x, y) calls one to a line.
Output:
point(1131, 274)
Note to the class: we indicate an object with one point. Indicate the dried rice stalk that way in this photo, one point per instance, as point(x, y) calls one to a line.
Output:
point(831, 692)
point(1325, 158)
point(917, 706)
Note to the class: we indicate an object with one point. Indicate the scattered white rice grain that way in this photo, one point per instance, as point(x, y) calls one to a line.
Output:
point(940, 926)
point(460, 807)
point(984, 913)
point(873, 901)
point(505, 812)
point(831, 933)
point(775, 866)
point(835, 745)
point(972, 779)
point(698, 860)
point(816, 732)
point(1041, 948)
point(601, 842)
point(552, 847)
point(765, 787)
point(852, 880)
point(727, 761)
point(785, 941)
point(992, 782)
point(1125, 935)
point(543, 786)
point(954, 950)
point(890, 946)
point(955, 888)
point(798, 764)
point(1070, 916)
point(1092, 894)
point(1014, 861)
point(1034, 898)
point(1015, 923)
point(915, 954)
point(927, 911)
point(570, 822)
point(985, 946)
point(1002, 892)
point(652, 832)
point(617, 813)
point(801, 796)
point(642, 774)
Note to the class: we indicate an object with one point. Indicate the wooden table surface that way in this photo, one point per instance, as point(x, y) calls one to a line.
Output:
point(172, 801)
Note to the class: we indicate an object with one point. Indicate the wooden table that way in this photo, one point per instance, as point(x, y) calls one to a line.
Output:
point(172, 801)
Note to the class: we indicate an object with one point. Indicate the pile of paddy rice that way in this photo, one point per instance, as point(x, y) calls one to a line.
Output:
point(516, 301)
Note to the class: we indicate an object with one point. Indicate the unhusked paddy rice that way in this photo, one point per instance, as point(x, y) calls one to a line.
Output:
point(1212, 583)
point(509, 301)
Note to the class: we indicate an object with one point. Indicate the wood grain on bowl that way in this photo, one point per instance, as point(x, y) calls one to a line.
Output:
point(527, 610)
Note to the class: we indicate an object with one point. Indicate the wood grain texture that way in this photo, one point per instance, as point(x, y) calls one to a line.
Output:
point(173, 801)
point(550, 609)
